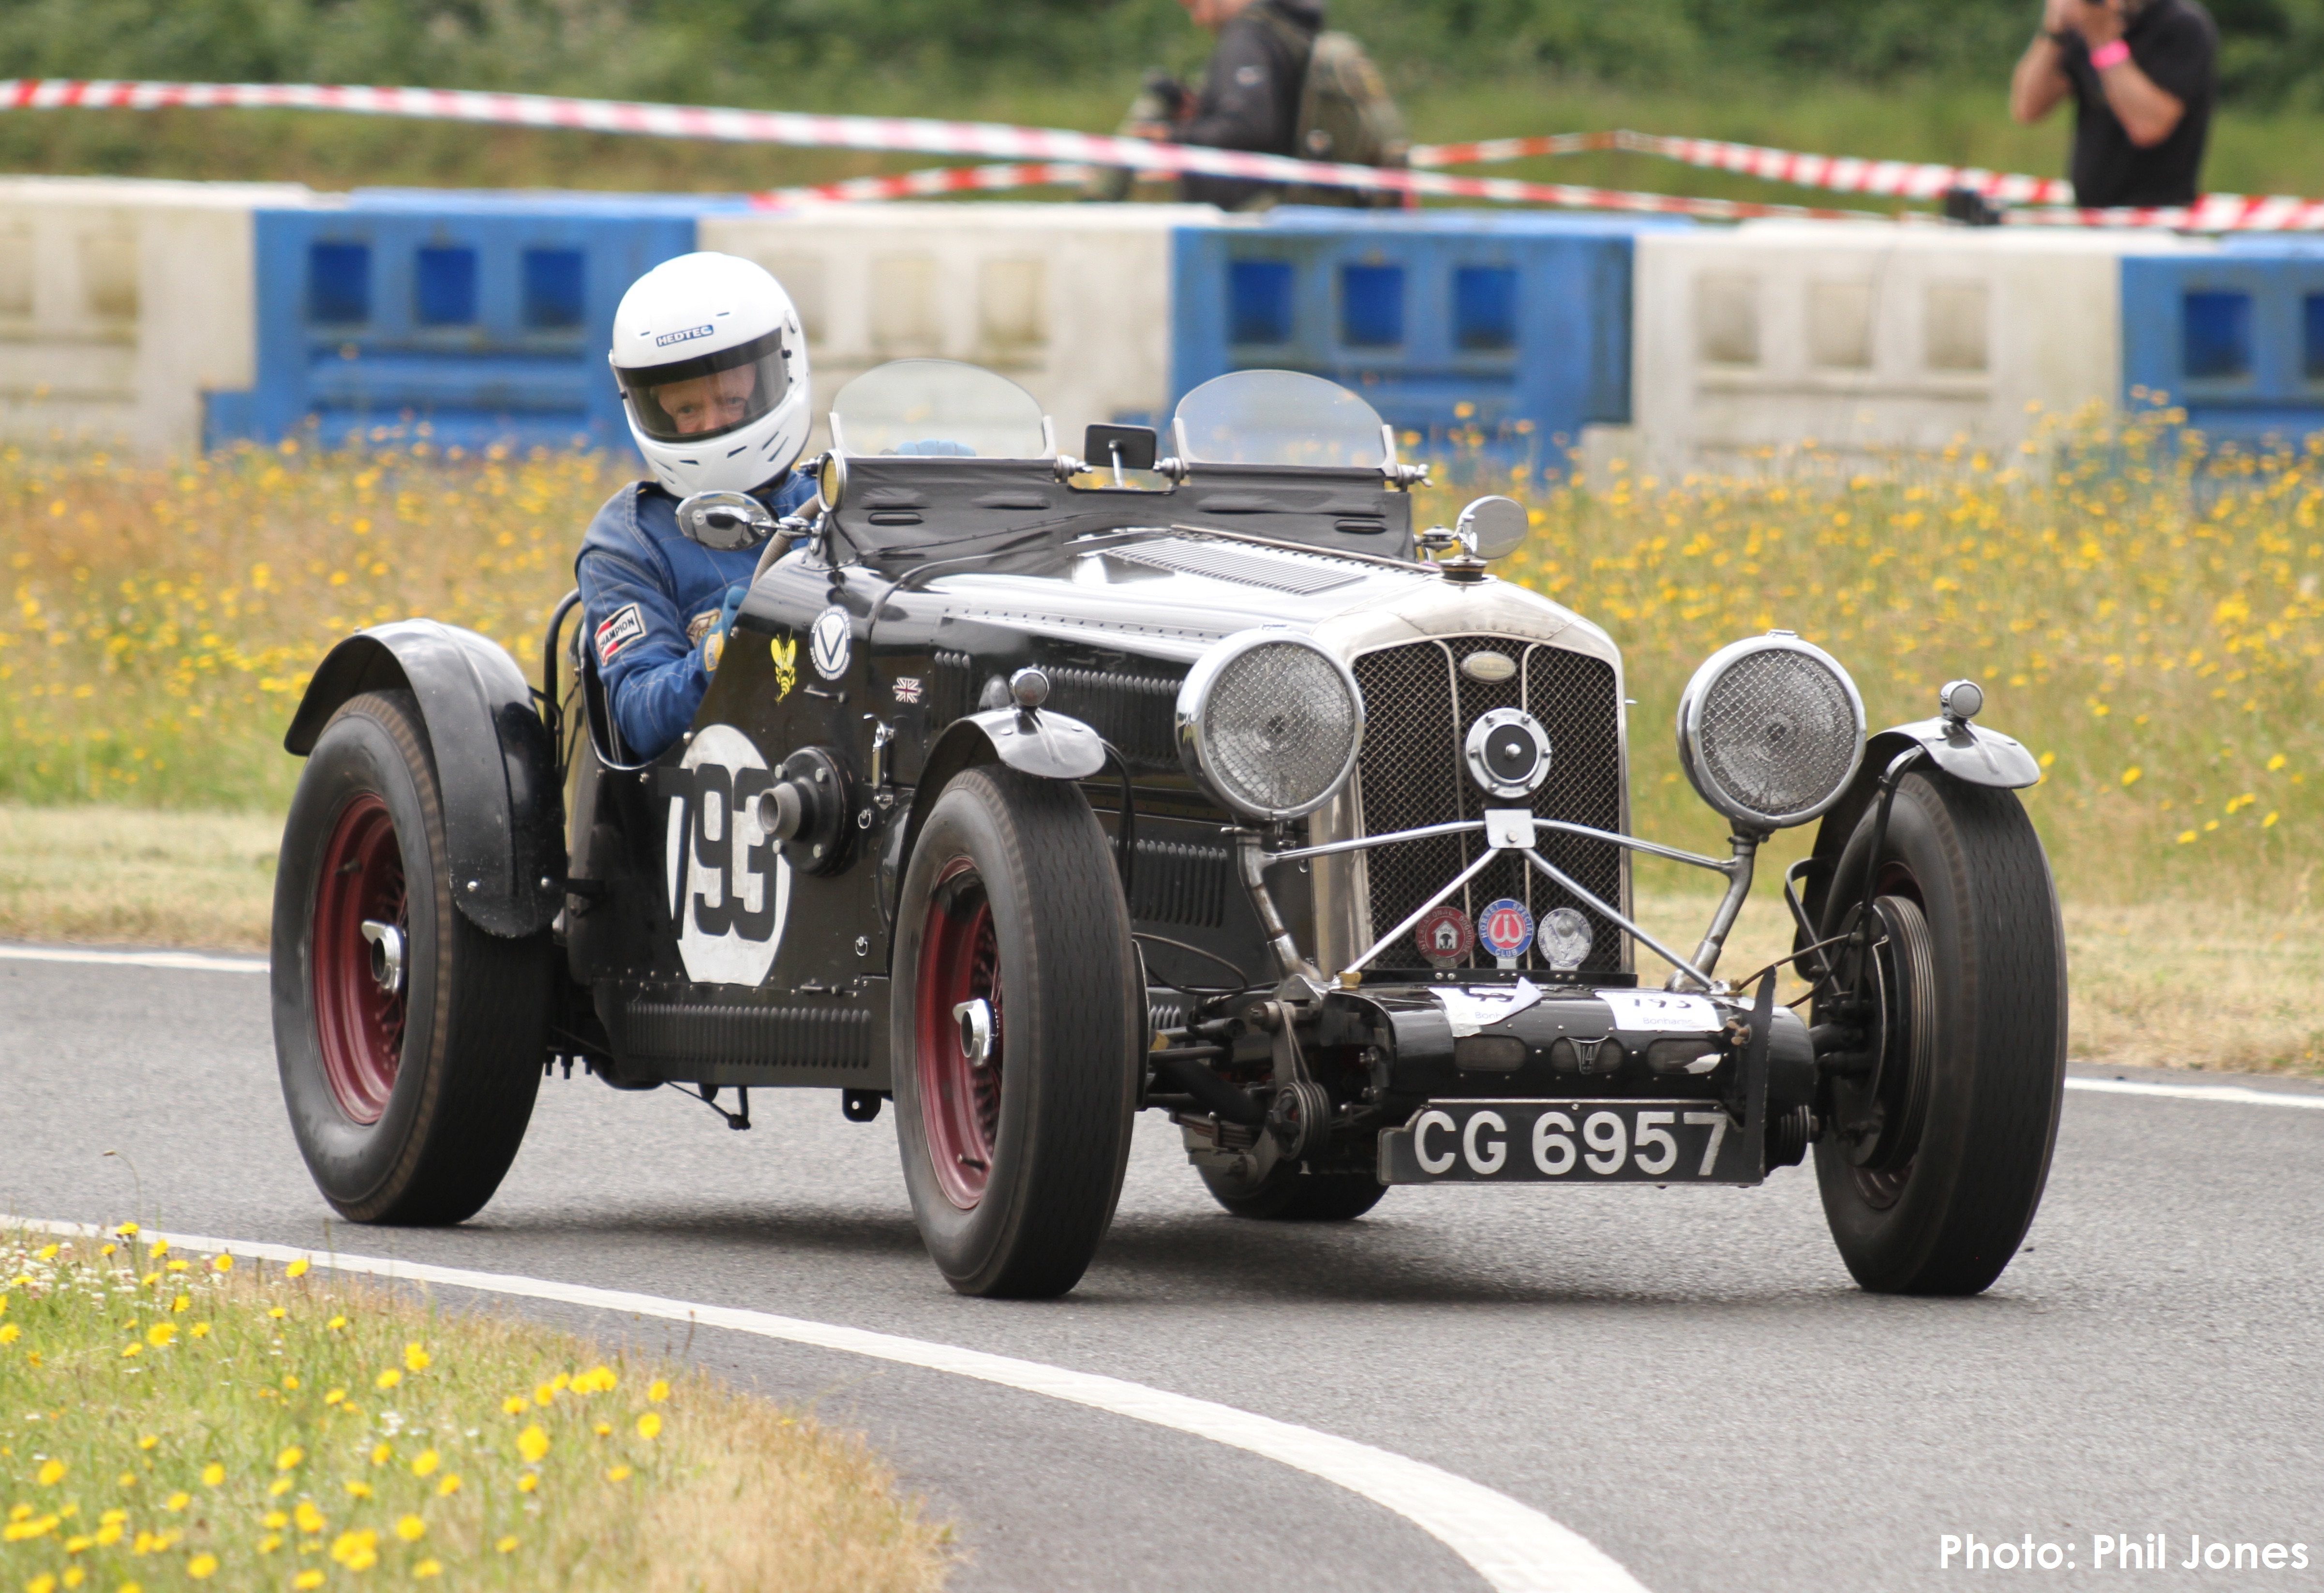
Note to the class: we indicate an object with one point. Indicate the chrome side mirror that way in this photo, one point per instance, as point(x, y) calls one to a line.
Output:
point(726, 521)
point(1493, 527)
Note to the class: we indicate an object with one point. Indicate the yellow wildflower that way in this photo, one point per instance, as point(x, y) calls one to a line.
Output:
point(199, 1330)
point(212, 1474)
point(382, 1454)
point(52, 1472)
point(427, 1568)
point(506, 1545)
point(618, 1473)
point(310, 1519)
point(388, 1378)
point(532, 1443)
point(527, 1482)
point(358, 1489)
point(449, 1485)
point(177, 1501)
point(650, 1425)
point(334, 1396)
point(513, 1405)
point(201, 1566)
point(411, 1529)
point(306, 1579)
point(297, 1269)
point(336, 1323)
point(658, 1390)
point(160, 1335)
point(424, 1462)
point(10, 1332)
point(223, 1263)
point(288, 1460)
point(416, 1359)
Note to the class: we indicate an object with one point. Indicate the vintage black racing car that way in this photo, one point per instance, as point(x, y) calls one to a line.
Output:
point(1032, 792)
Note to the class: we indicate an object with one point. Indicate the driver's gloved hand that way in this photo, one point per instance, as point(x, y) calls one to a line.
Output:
point(713, 640)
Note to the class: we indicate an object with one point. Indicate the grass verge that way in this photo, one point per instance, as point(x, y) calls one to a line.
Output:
point(168, 1420)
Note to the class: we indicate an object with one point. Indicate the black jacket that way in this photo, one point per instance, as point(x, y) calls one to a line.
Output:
point(1249, 97)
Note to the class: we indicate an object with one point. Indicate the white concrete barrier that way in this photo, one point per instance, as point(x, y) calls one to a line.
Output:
point(1071, 301)
point(122, 301)
point(1755, 344)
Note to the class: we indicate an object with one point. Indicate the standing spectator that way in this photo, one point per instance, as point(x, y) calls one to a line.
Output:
point(2142, 76)
point(1250, 94)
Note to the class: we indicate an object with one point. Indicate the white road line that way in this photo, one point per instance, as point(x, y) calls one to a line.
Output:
point(1514, 1547)
point(2235, 1094)
point(195, 961)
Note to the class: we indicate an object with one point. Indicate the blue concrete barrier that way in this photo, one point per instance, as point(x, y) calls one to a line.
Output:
point(1501, 329)
point(2235, 336)
point(483, 319)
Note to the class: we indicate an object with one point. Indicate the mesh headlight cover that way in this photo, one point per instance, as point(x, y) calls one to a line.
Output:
point(1271, 724)
point(1770, 731)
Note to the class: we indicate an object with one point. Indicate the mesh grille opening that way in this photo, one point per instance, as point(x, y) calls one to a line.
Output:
point(1418, 709)
point(1778, 733)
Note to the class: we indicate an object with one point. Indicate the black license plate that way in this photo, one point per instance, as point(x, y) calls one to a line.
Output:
point(1569, 1142)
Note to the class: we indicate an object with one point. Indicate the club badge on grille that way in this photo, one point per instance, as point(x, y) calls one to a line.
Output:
point(1506, 928)
point(1444, 937)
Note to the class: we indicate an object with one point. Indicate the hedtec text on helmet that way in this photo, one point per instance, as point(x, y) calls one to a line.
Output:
point(714, 373)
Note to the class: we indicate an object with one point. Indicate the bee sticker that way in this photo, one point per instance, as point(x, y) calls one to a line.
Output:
point(786, 651)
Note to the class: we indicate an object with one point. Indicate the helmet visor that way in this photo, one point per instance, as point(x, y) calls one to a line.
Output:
point(709, 395)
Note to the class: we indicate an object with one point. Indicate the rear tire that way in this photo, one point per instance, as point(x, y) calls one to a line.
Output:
point(409, 1105)
point(1289, 1195)
point(1014, 1166)
point(1930, 1174)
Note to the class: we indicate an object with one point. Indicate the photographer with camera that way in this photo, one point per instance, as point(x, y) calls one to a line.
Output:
point(2143, 75)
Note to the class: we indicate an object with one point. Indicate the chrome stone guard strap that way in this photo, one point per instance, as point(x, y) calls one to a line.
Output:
point(1508, 829)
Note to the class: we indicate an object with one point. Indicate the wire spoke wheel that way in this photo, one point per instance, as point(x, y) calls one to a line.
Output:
point(1017, 1011)
point(960, 1060)
point(1934, 1159)
point(359, 994)
point(409, 1041)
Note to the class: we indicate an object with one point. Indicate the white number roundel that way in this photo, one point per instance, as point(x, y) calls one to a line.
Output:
point(730, 889)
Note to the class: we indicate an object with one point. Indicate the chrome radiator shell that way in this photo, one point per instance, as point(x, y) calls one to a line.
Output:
point(1546, 641)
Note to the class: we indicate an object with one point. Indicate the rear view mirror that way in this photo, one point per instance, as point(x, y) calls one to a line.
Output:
point(1120, 448)
point(727, 521)
point(1493, 527)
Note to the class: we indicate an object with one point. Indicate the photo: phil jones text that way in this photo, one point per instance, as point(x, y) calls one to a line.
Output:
point(2118, 1551)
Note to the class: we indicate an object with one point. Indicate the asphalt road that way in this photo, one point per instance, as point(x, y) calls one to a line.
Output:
point(1686, 1377)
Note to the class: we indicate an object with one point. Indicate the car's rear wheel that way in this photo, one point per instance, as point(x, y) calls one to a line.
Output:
point(409, 1041)
point(1286, 1194)
point(1015, 1030)
point(1934, 1157)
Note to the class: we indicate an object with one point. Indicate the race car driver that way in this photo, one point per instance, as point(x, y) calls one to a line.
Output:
point(713, 369)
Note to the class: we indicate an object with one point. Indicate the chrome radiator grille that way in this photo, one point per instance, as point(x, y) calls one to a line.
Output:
point(1418, 710)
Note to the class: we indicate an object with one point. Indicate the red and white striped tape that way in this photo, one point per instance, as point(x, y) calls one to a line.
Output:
point(1841, 173)
point(1504, 190)
point(1048, 154)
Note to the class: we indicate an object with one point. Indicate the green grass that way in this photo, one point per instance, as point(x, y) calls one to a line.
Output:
point(2253, 149)
point(168, 1420)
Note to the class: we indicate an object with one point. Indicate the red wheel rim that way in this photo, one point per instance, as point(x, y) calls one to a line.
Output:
point(960, 1101)
point(358, 1021)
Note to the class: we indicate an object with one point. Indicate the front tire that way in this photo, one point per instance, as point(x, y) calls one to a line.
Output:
point(1932, 1168)
point(1014, 1163)
point(409, 1092)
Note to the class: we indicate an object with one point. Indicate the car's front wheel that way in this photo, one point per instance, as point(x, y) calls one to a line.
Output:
point(409, 1040)
point(1016, 1019)
point(1938, 1140)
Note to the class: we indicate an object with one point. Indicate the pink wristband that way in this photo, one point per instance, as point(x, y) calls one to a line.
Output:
point(2109, 55)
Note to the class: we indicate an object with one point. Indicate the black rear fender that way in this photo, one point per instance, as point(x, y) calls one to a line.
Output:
point(503, 822)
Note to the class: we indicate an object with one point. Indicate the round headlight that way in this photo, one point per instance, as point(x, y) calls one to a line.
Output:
point(1270, 723)
point(1770, 731)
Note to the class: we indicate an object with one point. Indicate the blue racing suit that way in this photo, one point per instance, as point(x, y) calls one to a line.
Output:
point(648, 596)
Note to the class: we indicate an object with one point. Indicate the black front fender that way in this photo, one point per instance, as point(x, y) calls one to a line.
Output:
point(1968, 752)
point(504, 818)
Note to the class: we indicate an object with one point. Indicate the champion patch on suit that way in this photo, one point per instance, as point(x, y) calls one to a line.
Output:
point(617, 631)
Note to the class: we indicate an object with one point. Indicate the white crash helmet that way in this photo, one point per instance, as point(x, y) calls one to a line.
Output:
point(713, 366)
